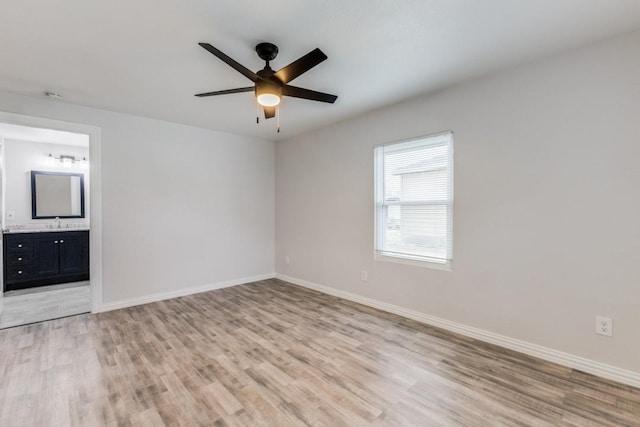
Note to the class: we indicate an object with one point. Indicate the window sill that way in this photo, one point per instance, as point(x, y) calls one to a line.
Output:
point(444, 266)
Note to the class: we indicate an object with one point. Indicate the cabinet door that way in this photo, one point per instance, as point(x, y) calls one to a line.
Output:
point(74, 253)
point(45, 256)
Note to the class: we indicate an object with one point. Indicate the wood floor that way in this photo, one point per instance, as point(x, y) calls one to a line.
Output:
point(274, 354)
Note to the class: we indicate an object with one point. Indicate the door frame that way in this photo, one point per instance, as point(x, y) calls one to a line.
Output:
point(95, 193)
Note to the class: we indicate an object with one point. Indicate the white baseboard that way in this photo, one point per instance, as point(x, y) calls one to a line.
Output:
point(572, 361)
point(130, 302)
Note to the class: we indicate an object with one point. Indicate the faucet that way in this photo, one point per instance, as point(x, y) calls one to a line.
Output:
point(57, 220)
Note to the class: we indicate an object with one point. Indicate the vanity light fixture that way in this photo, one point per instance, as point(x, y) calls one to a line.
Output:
point(67, 161)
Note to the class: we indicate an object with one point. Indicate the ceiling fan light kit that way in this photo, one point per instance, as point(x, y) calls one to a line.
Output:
point(268, 93)
point(269, 85)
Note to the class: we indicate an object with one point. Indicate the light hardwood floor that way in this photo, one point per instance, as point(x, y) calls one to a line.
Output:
point(274, 354)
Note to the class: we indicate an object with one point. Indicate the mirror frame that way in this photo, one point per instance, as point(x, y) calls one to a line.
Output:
point(33, 194)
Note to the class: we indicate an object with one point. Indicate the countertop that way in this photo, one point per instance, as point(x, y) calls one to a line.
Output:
point(44, 230)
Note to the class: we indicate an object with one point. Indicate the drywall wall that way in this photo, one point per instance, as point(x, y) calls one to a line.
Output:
point(182, 207)
point(546, 229)
point(20, 158)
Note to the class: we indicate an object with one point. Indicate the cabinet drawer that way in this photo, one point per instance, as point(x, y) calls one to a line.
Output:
point(18, 273)
point(19, 258)
point(18, 243)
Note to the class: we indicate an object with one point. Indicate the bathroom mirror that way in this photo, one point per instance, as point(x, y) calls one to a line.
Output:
point(57, 194)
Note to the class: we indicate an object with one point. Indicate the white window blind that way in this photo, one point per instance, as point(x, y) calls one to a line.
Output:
point(414, 199)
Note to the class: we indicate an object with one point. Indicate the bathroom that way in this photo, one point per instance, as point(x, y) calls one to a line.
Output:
point(45, 224)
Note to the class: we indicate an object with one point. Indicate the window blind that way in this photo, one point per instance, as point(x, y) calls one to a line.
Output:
point(414, 199)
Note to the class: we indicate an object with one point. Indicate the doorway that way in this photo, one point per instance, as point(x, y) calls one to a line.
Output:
point(51, 246)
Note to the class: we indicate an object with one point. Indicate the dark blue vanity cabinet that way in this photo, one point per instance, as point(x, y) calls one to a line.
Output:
point(46, 258)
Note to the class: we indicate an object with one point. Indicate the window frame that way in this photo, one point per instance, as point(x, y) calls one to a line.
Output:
point(379, 204)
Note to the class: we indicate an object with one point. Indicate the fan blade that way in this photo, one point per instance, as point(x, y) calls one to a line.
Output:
point(269, 112)
point(225, 92)
point(232, 63)
point(298, 92)
point(301, 65)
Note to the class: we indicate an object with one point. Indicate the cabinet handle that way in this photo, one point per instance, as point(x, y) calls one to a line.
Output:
point(19, 271)
point(19, 258)
point(19, 245)
point(61, 241)
point(55, 241)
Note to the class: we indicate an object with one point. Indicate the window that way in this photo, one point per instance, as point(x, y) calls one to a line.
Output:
point(414, 199)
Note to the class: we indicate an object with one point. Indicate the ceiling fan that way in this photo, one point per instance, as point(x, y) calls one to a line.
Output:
point(269, 85)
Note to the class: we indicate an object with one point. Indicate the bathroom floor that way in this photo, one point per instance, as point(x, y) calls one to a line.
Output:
point(44, 303)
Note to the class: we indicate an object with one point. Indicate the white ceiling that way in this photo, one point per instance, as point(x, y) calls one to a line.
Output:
point(142, 57)
point(50, 136)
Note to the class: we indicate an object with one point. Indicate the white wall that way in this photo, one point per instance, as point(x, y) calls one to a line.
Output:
point(546, 216)
point(21, 157)
point(182, 206)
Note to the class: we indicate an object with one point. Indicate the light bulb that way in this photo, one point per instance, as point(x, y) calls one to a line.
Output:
point(268, 99)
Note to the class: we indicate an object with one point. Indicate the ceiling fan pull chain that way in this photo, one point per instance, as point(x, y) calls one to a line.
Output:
point(278, 118)
point(257, 112)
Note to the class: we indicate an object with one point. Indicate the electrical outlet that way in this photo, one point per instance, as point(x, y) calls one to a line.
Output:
point(363, 275)
point(604, 326)
point(11, 214)
point(287, 260)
